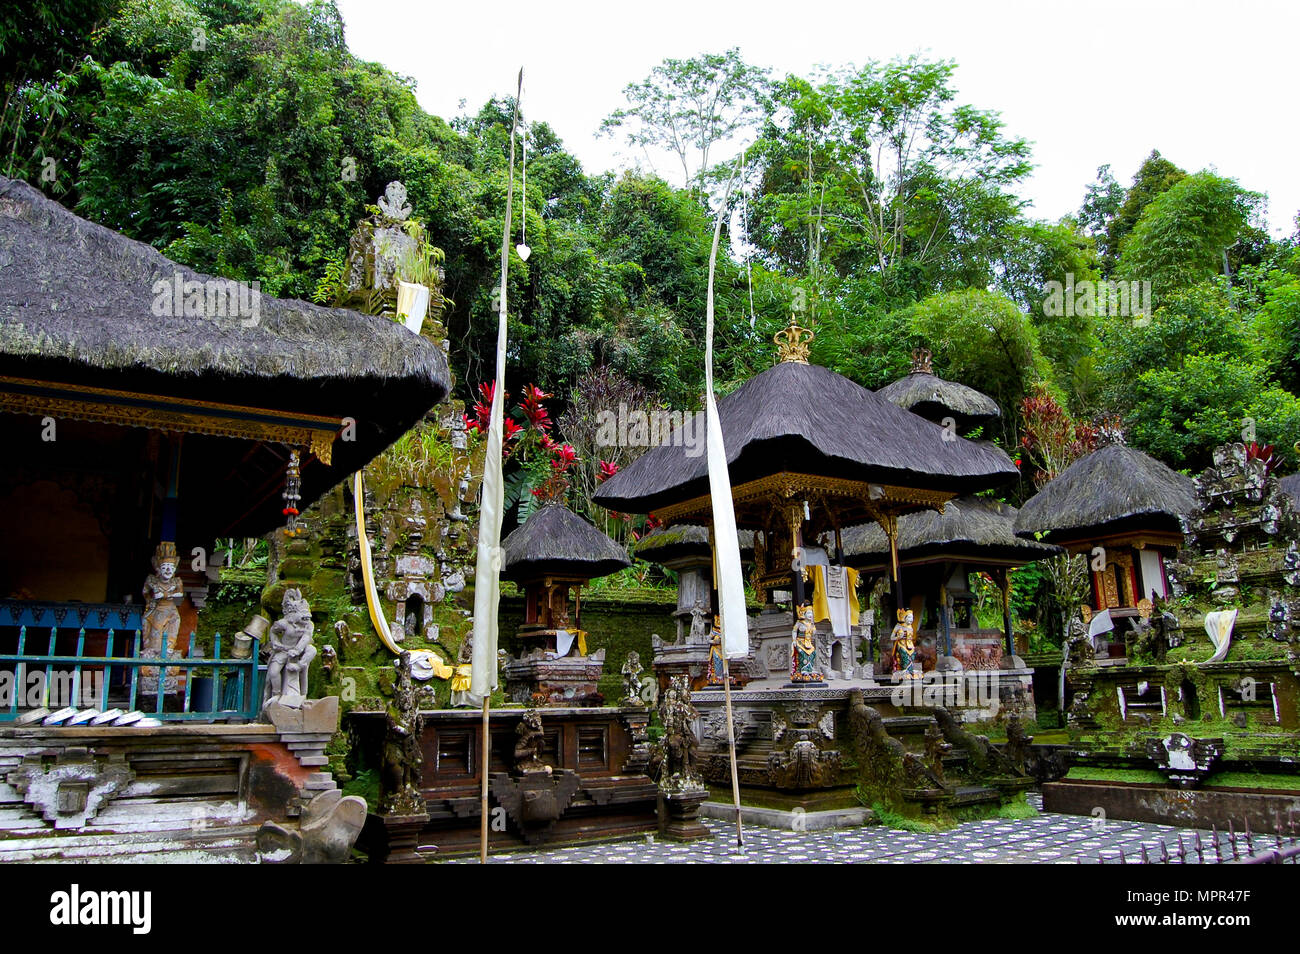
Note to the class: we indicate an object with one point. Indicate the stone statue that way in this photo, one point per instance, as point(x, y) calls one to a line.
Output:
point(1079, 649)
point(161, 622)
point(679, 748)
point(291, 652)
point(632, 680)
point(399, 790)
point(697, 634)
point(903, 647)
point(803, 649)
point(1017, 748)
point(528, 745)
point(935, 749)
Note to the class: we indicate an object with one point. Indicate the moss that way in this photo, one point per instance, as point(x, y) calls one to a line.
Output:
point(365, 784)
point(892, 819)
point(1017, 810)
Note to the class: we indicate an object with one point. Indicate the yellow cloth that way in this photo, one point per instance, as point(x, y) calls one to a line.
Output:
point(460, 680)
point(821, 605)
point(581, 634)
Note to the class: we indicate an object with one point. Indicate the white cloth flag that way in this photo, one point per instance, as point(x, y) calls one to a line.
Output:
point(487, 571)
point(726, 542)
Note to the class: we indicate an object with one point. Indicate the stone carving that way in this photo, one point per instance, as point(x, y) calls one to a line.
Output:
point(935, 749)
point(529, 742)
point(328, 828)
point(632, 680)
point(161, 622)
point(399, 790)
point(393, 202)
point(802, 766)
point(291, 652)
point(1079, 649)
point(982, 755)
point(1184, 760)
point(462, 678)
point(70, 790)
point(1017, 749)
point(678, 754)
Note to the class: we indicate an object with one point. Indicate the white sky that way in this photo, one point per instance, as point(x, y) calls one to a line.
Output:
point(1208, 84)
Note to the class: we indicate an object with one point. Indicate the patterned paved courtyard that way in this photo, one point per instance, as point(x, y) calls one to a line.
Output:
point(1043, 839)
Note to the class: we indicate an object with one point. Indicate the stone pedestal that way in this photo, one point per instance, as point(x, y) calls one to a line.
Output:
point(566, 681)
point(402, 838)
point(679, 814)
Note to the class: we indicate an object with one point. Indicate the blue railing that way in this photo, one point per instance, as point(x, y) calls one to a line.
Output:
point(215, 688)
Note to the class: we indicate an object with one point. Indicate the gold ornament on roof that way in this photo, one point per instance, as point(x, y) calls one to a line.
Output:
point(921, 361)
point(792, 343)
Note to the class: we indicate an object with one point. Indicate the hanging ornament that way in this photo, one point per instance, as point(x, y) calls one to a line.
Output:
point(522, 249)
point(292, 494)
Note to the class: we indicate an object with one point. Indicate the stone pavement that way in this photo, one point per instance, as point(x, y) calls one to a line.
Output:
point(1043, 839)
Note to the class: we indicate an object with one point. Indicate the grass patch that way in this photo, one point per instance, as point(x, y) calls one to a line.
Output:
point(1290, 783)
point(1084, 773)
point(1017, 810)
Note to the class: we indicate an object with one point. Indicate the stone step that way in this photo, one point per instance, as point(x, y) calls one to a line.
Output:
point(233, 845)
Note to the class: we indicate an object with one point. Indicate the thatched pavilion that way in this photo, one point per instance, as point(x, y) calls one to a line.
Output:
point(551, 556)
point(144, 402)
point(1124, 511)
point(938, 552)
point(809, 452)
point(923, 392)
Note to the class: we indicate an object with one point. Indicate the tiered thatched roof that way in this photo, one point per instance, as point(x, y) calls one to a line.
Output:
point(804, 419)
point(970, 529)
point(1114, 489)
point(925, 393)
point(77, 304)
point(557, 541)
point(665, 544)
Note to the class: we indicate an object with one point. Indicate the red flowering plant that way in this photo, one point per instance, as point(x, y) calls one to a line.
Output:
point(1051, 439)
point(543, 463)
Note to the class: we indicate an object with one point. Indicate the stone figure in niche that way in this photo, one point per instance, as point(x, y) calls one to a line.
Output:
point(400, 779)
point(698, 615)
point(161, 622)
point(291, 652)
point(803, 652)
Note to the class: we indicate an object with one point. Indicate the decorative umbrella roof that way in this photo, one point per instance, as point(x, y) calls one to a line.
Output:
point(798, 420)
point(83, 307)
point(925, 393)
point(685, 539)
point(555, 540)
point(970, 529)
point(1113, 489)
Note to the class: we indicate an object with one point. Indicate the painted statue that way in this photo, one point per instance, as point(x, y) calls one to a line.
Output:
point(717, 665)
point(463, 676)
point(803, 650)
point(291, 652)
point(161, 622)
point(903, 647)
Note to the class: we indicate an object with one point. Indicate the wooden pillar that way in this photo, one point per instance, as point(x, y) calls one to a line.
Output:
point(795, 515)
point(889, 523)
point(1003, 578)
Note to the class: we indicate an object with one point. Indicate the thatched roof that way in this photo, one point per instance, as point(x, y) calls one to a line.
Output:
point(556, 540)
point(802, 418)
point(927, 394)
point(970, 528)
point(664, 544)
point(78, 303)
point(1114, 489)
point(1292, 486)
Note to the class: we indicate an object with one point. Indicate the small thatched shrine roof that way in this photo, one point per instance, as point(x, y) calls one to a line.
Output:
point(1292, 486)
point(84, 307)
point(970, 530)
point(804, 419)
point(665, 544)
point(555, 540)
point(1115, 489)
point(925, 393)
